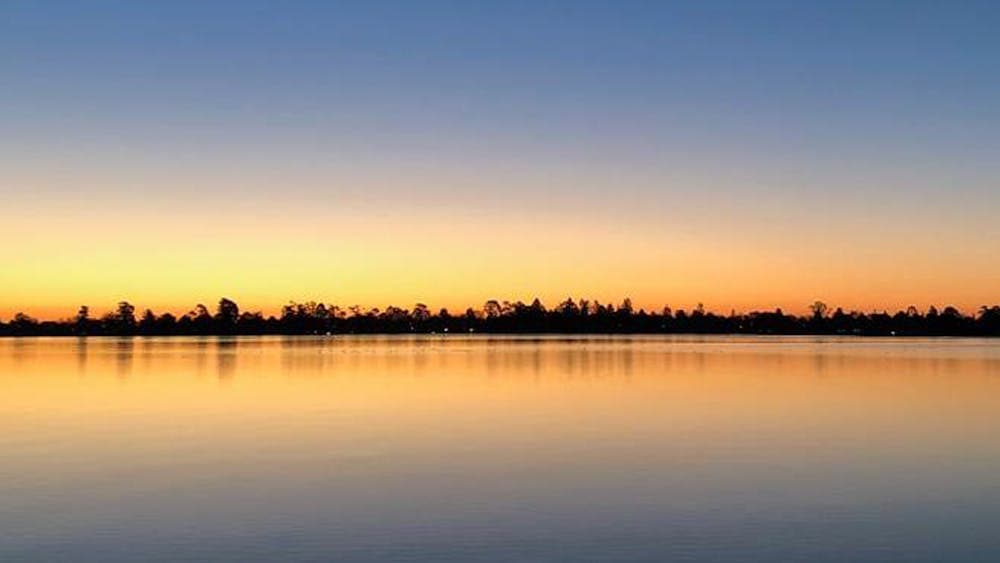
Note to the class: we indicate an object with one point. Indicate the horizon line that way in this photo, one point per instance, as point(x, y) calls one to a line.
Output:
point(480, 310)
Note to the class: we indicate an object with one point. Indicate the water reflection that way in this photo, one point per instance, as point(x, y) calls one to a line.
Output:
point(81, 355)
point(466, 448)
point(226, 353)
point(124, 353)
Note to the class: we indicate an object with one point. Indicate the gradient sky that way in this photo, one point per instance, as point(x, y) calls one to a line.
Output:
point(741, 154)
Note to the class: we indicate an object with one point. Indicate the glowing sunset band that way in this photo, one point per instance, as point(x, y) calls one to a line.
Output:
point(171, 262)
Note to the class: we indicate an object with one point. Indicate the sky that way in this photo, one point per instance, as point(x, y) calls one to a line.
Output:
point(744, 155)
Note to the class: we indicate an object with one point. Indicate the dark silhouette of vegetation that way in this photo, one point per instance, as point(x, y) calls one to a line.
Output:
point(568, 317)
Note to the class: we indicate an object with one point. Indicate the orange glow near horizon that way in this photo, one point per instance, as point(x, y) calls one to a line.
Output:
point(457, 260)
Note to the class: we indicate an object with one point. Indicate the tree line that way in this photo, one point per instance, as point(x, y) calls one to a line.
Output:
point(582, 316)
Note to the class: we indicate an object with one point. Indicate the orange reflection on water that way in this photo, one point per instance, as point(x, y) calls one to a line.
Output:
point(349, 443)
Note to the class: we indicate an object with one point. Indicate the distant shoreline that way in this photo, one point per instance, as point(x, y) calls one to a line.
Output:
point(583, 317)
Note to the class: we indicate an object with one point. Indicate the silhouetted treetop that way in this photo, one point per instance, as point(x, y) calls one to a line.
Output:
point(584, 316)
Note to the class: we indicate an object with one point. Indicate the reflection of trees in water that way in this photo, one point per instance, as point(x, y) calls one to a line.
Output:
point(302, 355)
point(497, 357)
point(80, 350)
point(226, 352)
point(201, 348)
point(576, 360)
point(584, 358)
point(21, 350)
point(124, 354)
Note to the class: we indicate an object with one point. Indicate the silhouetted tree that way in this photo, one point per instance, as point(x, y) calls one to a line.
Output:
point(147, 324)
point(226, 316)
point(121, 321)
point(82, 320)
point(491, 309)
point(818, 309)
point(582, 316)
point(421, 313)
point(23, 322)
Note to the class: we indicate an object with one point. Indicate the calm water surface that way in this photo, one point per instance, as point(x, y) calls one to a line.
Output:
point(500, 449)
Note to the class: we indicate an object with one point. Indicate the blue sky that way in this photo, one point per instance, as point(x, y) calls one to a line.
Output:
point(881, 112)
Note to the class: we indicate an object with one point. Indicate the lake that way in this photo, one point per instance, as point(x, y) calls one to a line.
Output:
point(500, 449)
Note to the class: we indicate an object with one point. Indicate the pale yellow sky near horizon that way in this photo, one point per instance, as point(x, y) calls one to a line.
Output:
point(169, 259)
